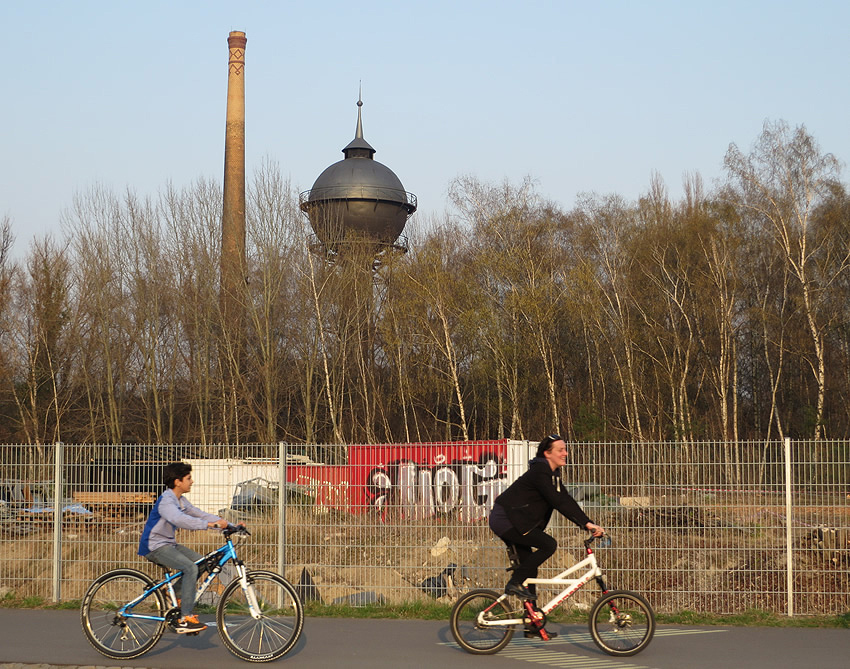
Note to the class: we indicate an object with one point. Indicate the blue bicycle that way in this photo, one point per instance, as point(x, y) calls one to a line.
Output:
point(259, 615)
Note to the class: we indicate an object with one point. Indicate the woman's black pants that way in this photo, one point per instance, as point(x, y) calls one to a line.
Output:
point(533, 549)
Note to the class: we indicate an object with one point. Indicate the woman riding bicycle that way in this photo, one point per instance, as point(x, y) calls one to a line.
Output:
point(522, 512)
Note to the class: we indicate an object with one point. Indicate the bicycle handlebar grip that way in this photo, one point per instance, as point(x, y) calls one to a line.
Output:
point(234, 529)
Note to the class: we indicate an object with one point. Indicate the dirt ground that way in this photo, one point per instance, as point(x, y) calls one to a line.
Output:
point(710, 558)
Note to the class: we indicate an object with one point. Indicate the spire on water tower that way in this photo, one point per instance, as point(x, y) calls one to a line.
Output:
point(359, 147)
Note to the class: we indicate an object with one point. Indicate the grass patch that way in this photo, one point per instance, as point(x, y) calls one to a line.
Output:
point(71, 604)
point(10, 601)
point(752, 618)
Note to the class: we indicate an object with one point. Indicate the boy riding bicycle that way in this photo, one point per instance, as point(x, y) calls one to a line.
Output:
point(158, 544)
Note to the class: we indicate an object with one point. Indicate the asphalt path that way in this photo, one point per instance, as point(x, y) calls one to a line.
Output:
point(54, 637)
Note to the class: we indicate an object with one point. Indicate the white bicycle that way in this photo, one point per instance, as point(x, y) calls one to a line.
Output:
point(621, 622)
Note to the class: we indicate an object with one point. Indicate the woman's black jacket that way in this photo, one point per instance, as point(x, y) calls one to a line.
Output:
point(530, 500)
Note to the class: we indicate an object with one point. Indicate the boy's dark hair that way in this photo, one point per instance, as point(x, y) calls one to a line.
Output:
point(546, 444)
point(176, 470)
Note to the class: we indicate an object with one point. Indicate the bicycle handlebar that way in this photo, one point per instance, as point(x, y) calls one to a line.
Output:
point(235, 529)
point(602, 538)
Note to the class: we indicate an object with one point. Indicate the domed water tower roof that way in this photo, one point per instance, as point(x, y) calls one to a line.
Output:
point(358, 198)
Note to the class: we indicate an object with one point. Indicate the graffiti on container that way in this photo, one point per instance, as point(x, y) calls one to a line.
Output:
point(419, 491)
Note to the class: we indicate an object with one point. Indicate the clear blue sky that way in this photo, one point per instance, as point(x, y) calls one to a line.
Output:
point(582, 96)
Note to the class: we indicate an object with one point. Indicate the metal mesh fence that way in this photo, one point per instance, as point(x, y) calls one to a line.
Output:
point(711, 527)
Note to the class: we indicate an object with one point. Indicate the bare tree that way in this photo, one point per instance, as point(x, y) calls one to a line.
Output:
point(273, 246)
point(605, 225)
point(318, 282)
point(7, 365)
point(43, 320)
point(440, 301)
point(518, 261)
point(102, 275)
point(723, 315)
point(778, 186)
point(191, 219)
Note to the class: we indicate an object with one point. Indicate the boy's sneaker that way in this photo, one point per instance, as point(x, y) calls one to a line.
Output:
point(189, 624)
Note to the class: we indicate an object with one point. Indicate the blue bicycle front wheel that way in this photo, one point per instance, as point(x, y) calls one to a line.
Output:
point(278, 622)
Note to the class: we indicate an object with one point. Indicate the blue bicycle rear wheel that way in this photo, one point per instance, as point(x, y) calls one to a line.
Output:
point(118, 635)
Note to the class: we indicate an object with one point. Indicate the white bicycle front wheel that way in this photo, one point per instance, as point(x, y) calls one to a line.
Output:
point(622, 623)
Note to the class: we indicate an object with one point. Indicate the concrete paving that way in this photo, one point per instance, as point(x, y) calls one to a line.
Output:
point(48, 639)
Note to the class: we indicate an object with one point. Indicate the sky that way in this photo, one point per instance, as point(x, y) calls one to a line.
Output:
point(580, 96)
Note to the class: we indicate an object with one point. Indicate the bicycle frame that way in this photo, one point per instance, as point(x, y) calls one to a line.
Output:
point(222, 555)
point(592, 571)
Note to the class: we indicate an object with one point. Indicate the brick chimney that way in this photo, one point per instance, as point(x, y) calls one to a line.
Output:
point(233, 210)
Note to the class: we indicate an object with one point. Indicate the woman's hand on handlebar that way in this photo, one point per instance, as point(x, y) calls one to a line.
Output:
point(594, 529)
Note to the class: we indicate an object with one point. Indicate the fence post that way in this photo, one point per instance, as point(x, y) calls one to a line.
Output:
point(789, 553)
point(57, 521)
point(281, 506)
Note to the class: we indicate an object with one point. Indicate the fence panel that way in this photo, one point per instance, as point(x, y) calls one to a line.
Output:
point(821, 544)
point(695, 526)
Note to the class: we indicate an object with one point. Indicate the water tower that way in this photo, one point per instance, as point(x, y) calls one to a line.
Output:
point(358, 201)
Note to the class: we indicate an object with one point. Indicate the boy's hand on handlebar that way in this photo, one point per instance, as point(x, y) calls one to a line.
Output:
point(220, 524)
point(238, 528)
point(595, 530)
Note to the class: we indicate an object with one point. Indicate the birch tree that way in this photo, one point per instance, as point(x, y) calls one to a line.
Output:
point(605, 226)
point(778, 186)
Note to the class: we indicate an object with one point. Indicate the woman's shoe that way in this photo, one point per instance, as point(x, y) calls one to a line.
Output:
point(534, 633)
point(518, 589)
